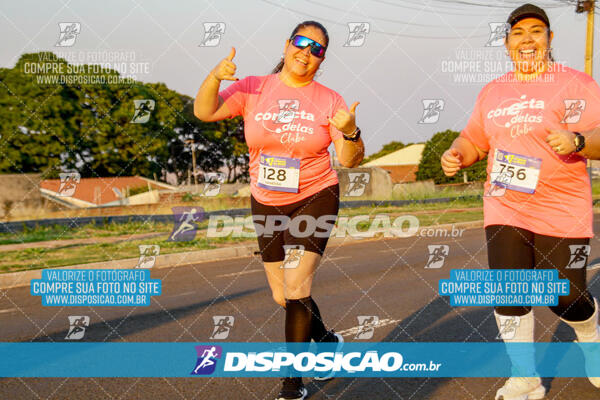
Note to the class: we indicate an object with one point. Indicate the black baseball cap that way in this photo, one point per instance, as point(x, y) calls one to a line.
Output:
point(527, 11)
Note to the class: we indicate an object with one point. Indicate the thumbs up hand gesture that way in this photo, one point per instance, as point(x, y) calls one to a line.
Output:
point(345, 121)
point(225, 70)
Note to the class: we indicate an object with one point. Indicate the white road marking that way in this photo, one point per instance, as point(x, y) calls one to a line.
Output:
point(250, 271)
point(354, 330)
point(181, 294)
point(8, 310)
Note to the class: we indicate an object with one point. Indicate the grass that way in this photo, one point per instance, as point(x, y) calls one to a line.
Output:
point(125, 247)
point(596, 187)
point(72, 254)
point(37, 258)
point(420, 192)
point(61, 232)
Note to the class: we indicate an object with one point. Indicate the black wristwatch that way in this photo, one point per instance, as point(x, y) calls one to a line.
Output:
point(579, 142)
point(354, 137)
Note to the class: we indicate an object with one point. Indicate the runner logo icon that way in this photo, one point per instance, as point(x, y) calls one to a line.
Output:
point(431, 111)
point(68, 183)
point(573, 110)
point(357, 33)
point(207, 359)
point(366, 326)
point(143, 108)
point(293, 254)
point(68, 33)
point(287, 110)
point(579, 256)
point(508, 327)
point(498, 31)
point(357, 183)
point(223, 324)
point(186, 219)
point(212, 183)
point(498, 183)
point(148, 254)
point(213, 31)
point(437, 255)
point(77, 325)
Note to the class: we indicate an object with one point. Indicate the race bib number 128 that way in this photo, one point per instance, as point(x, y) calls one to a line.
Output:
point(281, 174)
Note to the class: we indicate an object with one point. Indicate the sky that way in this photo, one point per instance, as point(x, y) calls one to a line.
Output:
point(412, 52)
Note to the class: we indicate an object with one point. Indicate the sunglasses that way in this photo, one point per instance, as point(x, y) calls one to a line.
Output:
point(302, 42)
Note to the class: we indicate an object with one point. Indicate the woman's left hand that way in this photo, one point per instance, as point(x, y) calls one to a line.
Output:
point(561, 141)
point(345, 121)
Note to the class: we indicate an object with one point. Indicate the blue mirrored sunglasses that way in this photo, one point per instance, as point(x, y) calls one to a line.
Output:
point(302, 42)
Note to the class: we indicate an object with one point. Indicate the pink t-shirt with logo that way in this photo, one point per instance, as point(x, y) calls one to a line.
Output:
point(282, 121)
point(510, 120)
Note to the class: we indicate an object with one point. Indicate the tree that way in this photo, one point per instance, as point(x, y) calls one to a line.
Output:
point(52, 119)
point(430, 167)
point(217, 145)
point(35, 121)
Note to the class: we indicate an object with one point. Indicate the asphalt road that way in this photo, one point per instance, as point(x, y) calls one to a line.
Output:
point(386, 278)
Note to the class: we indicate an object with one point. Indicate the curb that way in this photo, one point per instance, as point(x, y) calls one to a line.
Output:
point(23, 278)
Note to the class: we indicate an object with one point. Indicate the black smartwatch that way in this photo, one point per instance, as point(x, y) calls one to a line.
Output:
point(354, 137)
point(579, 142)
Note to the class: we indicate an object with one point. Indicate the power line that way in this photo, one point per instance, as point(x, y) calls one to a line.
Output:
point(447, 37)
point(435, 9)
point(509, 5)
point(387, 19)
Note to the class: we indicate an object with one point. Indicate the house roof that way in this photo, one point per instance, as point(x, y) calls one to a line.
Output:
point(402, 173)
point(410, 155)
point(97, 191)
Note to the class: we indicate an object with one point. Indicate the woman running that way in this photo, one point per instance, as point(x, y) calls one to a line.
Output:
point(538, 123)
point(289, 122)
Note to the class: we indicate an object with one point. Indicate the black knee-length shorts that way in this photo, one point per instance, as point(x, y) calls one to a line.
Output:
point(305, 224)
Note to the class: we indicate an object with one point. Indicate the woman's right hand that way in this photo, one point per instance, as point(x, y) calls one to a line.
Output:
point(451, 161)
point(225, 70)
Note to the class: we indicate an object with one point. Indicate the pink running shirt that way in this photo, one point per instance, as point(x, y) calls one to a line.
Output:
point(282, 121)
point(511, 116)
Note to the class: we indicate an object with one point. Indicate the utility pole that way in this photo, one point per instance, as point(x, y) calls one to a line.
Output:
point(192, 143)
point(581, 7)
point(589, 7)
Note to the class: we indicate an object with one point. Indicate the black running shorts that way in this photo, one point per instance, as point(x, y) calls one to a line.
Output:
point(305, 224)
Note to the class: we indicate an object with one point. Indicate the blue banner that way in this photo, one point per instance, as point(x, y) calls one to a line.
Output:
point(503, 287)
point(95, 287)
point(222, 359)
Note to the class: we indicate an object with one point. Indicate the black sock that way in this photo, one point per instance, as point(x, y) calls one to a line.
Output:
point(318, 333)
point(297, 321)
point(303, 321)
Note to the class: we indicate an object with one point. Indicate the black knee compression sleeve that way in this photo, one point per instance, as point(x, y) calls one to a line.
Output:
point(510, 247)
point(303, 321)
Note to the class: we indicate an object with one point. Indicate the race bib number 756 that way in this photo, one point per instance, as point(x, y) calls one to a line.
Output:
point(515, 171)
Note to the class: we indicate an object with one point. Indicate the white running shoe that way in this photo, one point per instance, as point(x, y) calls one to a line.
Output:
point(517, 388)
point(340, 341)
point(588, 331)
point(591, 360)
